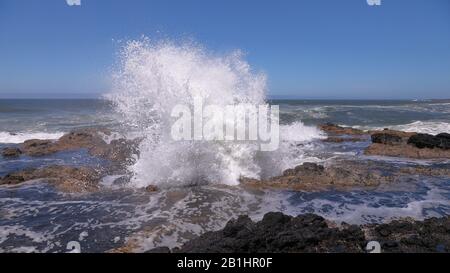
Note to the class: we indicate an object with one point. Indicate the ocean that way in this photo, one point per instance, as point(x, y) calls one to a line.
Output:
point(22, 119)
point(37, 217)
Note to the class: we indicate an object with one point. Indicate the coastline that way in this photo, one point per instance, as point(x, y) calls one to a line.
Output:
point(340, 174)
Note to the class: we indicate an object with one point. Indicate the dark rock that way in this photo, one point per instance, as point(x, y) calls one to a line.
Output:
point(443, 136)
point(277, 233)
point(441, 141)
point(306, 168)
point(384, 138)
point(233, 227)
point(161, 249)
point(405, 144)
point(311, 233)
point(151, 188)
point(430, 235)
point(11, 152)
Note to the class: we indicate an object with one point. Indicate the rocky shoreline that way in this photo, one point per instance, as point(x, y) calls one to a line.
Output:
point(119, 153)
point(340, 174)
point(278, 232)
point(393, 143)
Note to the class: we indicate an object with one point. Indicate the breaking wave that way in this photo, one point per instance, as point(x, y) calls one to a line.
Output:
point(154, 77)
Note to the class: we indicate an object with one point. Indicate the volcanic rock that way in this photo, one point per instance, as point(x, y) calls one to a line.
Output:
point(277, 232)
point(11, 152)
point(406, 144)
point(118, 150)
point(385, 138)
point(440, 141)
point(315, 177)
point(334, 129)
point(65, 178)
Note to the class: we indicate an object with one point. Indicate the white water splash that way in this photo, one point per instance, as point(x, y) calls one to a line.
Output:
point(154, 77)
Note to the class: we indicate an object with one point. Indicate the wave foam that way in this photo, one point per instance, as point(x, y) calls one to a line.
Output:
point(15, 138)
point(155, 77)
point(427, 127)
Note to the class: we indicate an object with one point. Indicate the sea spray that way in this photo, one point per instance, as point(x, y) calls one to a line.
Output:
point(155, 77)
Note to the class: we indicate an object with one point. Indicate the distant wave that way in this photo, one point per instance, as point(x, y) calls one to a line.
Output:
point(425, 127)
point(14, 138)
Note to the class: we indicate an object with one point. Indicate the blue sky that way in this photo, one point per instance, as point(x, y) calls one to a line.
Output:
point(308, 49)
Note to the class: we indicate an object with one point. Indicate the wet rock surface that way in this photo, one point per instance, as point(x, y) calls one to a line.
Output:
point(385, 138)
point(412, 145)
point(430, 235)
point(440, 141)
point(333, 129)
point(345, 175)
point(11, 152)
point(65, 178)
point(119, 151)
point(391, 142)
point(316, 177)
point(277, 232)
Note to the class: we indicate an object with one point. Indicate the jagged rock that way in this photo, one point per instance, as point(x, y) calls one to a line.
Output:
point(314, 177)
point(407, 144)
point(385, 138)
point(65, 178)
point(443, 136)
point(440, 141)
point(334, 129)
point(277, 232)
point(159, 250)
point(11, 152)
point(306, 168)
point(430, 235)
point(119, 150)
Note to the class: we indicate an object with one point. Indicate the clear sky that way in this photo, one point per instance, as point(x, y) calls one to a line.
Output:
point(308, 48)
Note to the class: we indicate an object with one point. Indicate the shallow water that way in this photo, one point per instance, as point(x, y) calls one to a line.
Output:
point(41, 219)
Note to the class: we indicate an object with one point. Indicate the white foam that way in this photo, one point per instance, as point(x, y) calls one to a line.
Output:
point(156, 76)
point(298, 132)
point(14, 138)
point(425, 127)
